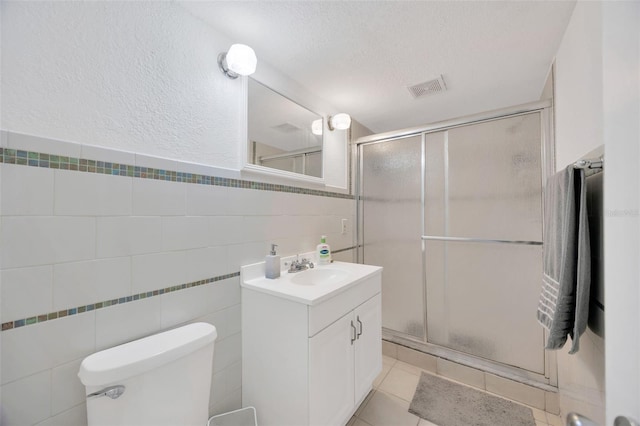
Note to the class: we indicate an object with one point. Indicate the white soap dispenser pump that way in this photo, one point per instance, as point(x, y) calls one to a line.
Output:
point(272, 264)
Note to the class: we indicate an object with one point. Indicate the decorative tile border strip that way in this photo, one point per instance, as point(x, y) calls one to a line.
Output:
point(39, 159)
point(106, 303)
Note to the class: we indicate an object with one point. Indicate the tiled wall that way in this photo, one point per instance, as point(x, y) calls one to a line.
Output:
point(92, 258)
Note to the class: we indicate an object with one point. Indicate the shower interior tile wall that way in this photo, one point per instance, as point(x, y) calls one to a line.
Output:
point(72, 238)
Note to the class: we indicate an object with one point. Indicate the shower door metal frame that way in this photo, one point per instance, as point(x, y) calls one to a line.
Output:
point(549, 379)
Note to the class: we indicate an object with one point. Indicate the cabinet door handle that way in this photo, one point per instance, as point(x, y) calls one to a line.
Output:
point(353, 336)
point(360, 323)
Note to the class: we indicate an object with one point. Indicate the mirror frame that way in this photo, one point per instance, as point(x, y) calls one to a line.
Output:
point(253, 168)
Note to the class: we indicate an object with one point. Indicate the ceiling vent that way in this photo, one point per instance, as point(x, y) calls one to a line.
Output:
point(286, 128)
point(427, 88)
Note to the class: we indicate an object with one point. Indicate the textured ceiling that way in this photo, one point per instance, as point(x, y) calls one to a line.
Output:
point(361, 56)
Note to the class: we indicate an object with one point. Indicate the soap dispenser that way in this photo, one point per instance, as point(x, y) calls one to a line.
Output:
point(323, 251)
point(272, 264)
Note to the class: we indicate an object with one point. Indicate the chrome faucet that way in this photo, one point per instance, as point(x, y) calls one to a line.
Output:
point(300, 265)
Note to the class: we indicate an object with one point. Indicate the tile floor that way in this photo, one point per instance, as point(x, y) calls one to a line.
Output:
point(388, 402)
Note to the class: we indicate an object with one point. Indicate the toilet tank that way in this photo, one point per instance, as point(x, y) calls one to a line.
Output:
point(166, 379)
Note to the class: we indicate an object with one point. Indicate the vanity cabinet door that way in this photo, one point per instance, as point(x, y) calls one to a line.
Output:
point(331, 373)
point(368, 347)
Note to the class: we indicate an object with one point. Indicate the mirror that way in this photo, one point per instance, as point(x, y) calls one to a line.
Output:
point(280, 133)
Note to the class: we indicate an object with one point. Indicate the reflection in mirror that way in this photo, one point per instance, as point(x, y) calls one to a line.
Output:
point(280, 133)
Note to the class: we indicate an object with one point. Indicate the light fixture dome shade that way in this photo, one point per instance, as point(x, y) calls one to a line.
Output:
point(241, 59)
point(341, 121)
point(316, 127)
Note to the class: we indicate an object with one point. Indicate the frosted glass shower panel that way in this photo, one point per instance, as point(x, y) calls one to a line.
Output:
point(487, 178)
point(481, 298)
point(484, 181)
point(391, 203)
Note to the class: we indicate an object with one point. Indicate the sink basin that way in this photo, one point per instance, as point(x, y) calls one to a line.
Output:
point(312, 286)
point(319, 276)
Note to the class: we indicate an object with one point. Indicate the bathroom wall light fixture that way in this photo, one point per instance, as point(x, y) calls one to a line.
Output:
point(239, 60)
point(340, 121)
point(316, 127)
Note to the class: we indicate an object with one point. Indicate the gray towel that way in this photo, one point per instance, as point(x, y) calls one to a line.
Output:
point(564, 302)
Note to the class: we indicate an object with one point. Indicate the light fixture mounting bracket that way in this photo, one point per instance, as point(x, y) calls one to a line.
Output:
point(330, 124)
point(222, 63)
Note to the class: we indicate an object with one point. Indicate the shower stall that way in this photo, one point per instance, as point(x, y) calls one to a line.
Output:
point(453, 212)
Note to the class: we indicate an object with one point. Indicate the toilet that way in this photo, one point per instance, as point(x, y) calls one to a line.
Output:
point(160, 380)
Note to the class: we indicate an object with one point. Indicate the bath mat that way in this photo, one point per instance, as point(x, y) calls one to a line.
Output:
point(449, 404)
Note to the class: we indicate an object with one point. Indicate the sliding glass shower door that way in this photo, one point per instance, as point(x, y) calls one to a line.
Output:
point(391, 213)
point(455, 218)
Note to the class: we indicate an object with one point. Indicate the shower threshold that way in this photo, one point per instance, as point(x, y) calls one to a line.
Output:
point(547, 384)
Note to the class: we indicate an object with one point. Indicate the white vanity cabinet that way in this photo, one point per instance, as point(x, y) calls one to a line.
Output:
point(311, 363)
point(344, 360)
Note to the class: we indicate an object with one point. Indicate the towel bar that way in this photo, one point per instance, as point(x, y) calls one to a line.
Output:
point(588, 164)
point(481, 240)
point(593, 166)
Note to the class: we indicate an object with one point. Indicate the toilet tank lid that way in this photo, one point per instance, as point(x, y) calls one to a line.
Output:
point(137, 357)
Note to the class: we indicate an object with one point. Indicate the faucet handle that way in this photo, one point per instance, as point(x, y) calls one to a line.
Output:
point(306, 262)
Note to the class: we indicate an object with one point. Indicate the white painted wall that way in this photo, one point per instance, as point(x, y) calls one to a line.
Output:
point(135, 76)
point(335, 160)
point(579, 130)
point(578, 86)
point(621, 125)
point(598, 102)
